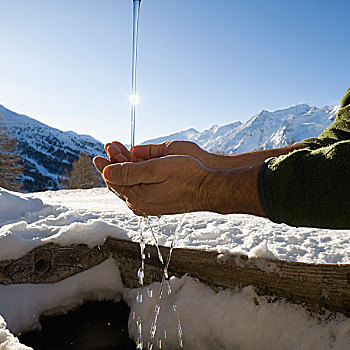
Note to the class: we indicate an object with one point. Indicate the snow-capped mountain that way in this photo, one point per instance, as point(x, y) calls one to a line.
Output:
point(187, 134)
point(46, 151)
point(263, 131)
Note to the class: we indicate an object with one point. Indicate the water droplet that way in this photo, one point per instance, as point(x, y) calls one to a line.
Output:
point(180, 334)
point(141, 275)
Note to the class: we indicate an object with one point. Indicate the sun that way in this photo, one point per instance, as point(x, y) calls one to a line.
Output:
point(134, 99)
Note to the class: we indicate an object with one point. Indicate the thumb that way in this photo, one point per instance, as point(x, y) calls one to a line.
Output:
point(128, 174)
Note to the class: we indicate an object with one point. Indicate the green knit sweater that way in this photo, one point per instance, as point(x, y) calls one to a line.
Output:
point(311, 187)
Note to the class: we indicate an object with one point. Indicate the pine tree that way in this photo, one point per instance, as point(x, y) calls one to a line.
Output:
point(82, 175)
point(10, 168)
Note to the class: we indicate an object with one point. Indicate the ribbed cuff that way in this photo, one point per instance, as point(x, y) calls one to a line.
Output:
point(261, 188)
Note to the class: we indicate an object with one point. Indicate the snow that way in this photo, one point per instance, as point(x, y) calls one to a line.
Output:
point(26, 302)
point(14, 208)
point(233, 320)
point(261, 251)
point(263, 131)
point(90, 216)
point(7, 340)
point(225, 320)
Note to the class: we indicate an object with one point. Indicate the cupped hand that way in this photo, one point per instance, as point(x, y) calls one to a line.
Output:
point(118, 153)
point(158, 186)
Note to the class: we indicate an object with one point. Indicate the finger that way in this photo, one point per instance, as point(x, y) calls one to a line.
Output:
point(123, 150)
point(109, 144)
point(150, 151)
point(128, 154)
point(100, 163)
point(119, 158)
point(114, 154)
point(129, 174)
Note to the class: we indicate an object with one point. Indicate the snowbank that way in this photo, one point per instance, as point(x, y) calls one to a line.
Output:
point(90, 216)
point(7, 340)
point(223, 320)
point(14, 207)
point(232, 320)
point(22, 304)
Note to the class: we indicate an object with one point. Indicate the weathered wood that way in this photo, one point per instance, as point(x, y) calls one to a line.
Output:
point(51, 263)
point(318, 286)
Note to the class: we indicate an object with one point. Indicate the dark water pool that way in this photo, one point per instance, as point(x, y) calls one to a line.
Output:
point(93, 326)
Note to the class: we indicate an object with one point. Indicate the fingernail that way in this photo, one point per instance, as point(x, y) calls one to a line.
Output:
point(109, 148)
point(97, 164)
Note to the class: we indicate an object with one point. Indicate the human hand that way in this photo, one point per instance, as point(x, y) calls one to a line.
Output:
point(167, 185)
point(118, 153)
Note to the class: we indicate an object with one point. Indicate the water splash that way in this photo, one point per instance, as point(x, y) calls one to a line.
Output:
point(139, 342)
point(160, 256)
point(165, 278)
point(141, 271)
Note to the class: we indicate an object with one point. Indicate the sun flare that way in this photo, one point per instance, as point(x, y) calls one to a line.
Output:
point(134, 99)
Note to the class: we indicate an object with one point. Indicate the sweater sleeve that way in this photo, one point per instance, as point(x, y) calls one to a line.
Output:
point(310, 187)
point(338, 131)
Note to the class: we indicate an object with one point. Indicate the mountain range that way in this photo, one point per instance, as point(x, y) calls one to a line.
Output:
point(264, 130)
point(47, 151)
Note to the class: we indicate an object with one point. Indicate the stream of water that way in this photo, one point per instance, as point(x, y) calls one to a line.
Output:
point(133, 96)
point(142, 222)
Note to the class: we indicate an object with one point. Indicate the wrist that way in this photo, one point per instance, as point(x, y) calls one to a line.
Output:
point(218, 161)
point(233, 191)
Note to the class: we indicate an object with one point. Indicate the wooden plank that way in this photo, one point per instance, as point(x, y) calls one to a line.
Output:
point(318, 286)
point(51, 263)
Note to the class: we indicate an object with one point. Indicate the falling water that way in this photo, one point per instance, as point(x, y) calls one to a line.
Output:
point(134, 101)
point(133, 96)
point(165, 278)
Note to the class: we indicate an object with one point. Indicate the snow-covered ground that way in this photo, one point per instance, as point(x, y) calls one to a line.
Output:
point(224, 320)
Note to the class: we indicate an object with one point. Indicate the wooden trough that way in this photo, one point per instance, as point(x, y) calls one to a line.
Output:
point(317, 286)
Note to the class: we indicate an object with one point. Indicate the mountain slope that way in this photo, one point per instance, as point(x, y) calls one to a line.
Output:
point(187, 134)
point(263, 131)
point(46, 151)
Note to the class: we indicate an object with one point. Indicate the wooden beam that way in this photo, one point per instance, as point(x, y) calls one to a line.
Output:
point(318, 286)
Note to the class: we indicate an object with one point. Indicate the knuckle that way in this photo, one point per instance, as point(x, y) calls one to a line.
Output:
point(154, 151)
point(124, 173)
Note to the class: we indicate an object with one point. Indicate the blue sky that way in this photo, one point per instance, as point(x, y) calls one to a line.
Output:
point(67, 62)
